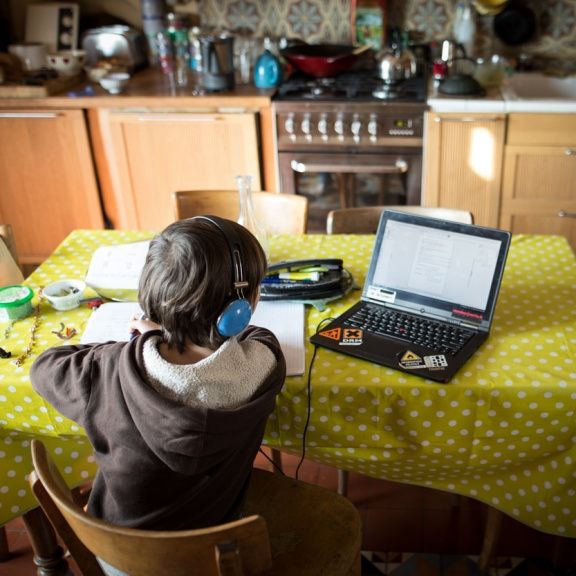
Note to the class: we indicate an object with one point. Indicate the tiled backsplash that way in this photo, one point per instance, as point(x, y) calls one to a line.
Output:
point(329, 21)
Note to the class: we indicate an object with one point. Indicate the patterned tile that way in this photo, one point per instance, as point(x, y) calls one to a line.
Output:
point(319, 21)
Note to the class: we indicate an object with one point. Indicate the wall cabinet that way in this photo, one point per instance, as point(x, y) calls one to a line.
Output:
point(463, 163)
point(47, 176)
point(146, 156)
point(539, 181)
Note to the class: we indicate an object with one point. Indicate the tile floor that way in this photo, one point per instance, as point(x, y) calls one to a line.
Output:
point(408, 530)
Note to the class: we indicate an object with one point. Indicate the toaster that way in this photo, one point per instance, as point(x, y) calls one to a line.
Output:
point(121, 44)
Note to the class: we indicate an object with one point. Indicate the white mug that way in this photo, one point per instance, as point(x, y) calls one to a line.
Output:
point(32, 55)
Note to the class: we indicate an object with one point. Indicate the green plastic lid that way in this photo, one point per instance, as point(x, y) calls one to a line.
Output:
point(13, 296)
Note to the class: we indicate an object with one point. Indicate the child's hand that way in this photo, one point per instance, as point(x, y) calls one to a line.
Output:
point(140, 324)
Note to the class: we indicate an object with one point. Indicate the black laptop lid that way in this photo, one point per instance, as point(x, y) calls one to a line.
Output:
point(440, 269)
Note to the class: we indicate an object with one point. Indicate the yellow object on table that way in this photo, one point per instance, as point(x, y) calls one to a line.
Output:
point(502, 431)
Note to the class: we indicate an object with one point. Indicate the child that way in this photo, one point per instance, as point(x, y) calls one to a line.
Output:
point(176, 415)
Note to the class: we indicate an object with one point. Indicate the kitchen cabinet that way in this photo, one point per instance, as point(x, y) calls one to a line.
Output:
point(463, 163)
point(48, 181)
point(539, 179)
point(146, 155)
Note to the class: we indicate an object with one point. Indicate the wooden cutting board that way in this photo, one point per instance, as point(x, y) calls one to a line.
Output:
point(14, 89)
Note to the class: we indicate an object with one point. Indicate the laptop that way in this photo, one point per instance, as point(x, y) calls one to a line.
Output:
point(429, 296)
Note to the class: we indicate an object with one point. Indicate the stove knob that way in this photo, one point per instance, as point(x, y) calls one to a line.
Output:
point(339, 127)
point(373, 128)
point(289, 126)
point(306, 127)
point(323, 127)
point(356, 127)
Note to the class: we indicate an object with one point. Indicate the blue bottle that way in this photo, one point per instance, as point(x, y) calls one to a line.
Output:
point(267, 71)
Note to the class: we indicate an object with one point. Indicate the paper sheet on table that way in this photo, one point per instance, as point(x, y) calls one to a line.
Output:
point(114, 271)
point(284, 319)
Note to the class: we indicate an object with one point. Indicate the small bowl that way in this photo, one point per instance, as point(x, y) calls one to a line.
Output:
point(67, 62)
point(64, 294)
point(115, 82)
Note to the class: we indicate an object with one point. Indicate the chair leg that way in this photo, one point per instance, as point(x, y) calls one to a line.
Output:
point(491, 533)
point(4, 552)
point(342, 482)
point(277, 460)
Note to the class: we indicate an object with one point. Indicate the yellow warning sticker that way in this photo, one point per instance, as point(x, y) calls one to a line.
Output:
point(410, 360)
point(334, 334)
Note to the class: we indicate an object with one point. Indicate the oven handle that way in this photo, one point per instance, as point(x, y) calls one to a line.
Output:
point(325, 165)
point(468, 119)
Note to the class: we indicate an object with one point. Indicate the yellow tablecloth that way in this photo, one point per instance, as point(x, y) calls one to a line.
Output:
point(503, 431)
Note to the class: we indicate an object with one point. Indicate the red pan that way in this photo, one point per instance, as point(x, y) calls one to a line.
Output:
point(322, 60)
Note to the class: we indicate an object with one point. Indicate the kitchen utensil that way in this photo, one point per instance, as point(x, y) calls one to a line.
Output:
point(64, 294)
point(460, 84)
point(489, 7)
point(515, 25)
point(119, 45)
point(394, 66)
point(32, 55)
point(321, 60)
point(217, 50)
point(115, 82)
point(452, 50)
point(267, 71)
point(67, 62)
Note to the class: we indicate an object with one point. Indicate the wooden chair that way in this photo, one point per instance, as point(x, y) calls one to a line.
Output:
point(7, 236)
point(290, 527)
point(364, 220)
point(278, 213)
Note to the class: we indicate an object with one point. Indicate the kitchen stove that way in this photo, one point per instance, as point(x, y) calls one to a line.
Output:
point(350, 140)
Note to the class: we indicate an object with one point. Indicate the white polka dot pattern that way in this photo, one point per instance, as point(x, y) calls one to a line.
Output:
point(503, 431)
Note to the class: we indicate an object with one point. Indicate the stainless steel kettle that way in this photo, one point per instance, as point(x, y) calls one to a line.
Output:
point(395, 65)
point(217, 50)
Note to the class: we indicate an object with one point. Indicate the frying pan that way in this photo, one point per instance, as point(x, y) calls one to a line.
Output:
point(515, 25)
point(322, 60)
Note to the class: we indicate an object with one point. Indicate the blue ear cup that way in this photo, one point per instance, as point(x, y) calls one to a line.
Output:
point(236, 315)
point(234, 318)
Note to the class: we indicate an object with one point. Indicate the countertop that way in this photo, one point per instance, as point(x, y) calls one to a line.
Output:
point(497, 100)
point(150, 89)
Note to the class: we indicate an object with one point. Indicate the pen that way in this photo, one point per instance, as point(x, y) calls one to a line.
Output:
point(136, 333)
point(310, 276)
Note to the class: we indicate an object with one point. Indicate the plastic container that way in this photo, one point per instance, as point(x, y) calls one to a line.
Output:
point(64, 294)
point(15, 302)
point(464, 28)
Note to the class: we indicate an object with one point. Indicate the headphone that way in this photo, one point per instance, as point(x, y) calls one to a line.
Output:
point(236, 314)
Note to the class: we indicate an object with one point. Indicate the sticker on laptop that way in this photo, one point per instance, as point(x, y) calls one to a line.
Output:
point(411, 361)
point(381, 294)
point(345, 336)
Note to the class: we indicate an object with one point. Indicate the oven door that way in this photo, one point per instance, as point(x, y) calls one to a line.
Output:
point(340, 180)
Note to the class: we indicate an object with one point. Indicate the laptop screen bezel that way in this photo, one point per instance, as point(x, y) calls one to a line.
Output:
point(431, 307)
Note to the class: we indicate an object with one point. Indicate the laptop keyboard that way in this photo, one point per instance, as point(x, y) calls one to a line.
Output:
point(442, 338)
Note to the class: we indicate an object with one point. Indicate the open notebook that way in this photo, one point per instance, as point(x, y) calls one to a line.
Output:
point(429, 296)
point(284, 319)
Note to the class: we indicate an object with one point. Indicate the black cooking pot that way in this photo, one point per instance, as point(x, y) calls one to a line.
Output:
point(515, 25)
point(461, 85)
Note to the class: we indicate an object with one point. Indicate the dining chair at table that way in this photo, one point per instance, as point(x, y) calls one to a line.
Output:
point(291, 527)
point(10, 269)
point(365, 219)
point(278, 213)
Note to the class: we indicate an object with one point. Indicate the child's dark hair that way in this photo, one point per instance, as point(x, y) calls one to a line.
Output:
point(187, 280)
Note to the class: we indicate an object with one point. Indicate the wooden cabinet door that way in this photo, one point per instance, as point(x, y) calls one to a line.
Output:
point(463, 163)
point(539, 183)
point(151, 155)
point(47, 179)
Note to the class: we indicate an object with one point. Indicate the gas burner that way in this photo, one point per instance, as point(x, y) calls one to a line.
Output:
point(388, 92)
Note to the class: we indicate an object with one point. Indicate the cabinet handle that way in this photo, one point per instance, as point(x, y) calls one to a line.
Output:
point(563, 214)
point(179, 118)
point(569, 152)
point(29, 115)
point(468, 119)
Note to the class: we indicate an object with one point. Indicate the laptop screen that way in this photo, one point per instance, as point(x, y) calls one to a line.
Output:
point(436, 267)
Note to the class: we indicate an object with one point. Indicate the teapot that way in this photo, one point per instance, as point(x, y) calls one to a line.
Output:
point(393, 65)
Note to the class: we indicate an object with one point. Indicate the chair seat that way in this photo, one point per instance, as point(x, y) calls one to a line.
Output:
point(312, 530)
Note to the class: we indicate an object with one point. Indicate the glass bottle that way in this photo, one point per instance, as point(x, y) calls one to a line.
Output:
point(247, 216)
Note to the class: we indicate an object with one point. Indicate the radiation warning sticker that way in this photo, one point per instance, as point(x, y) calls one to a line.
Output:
point(345, 336)
point(410, 360)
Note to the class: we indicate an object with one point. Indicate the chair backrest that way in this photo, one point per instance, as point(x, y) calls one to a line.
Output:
point(365, 220)
point(278, 213)
point(234, 549)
